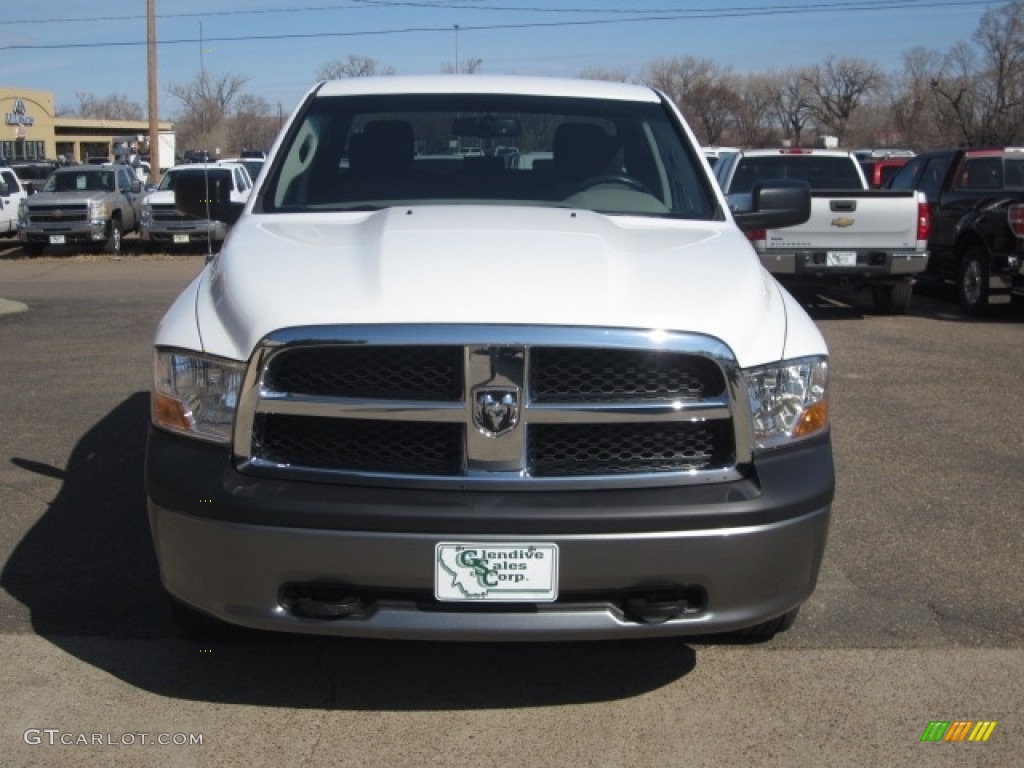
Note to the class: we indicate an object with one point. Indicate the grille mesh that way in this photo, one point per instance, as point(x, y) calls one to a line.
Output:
point(391, 373)
point(366, 446)
point(573, 375)
point(571, 450)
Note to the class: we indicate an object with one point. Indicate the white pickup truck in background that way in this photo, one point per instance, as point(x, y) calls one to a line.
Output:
point(855, 235)
point(12, 192)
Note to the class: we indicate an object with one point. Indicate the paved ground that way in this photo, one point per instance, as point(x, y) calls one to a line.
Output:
point(917, 617)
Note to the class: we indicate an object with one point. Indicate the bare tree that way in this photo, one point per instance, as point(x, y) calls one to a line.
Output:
point(253, 124)
point(756, 116)
point(956, 96)
point(470, 66)
point(1000, 36)
point(911, 101)
point(353, 66)
point(703, 90)
point(206, 103)
point(116, 106)
point(838, 88)
point(793, 104)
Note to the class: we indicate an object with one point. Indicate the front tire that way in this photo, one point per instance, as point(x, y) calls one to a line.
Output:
point(973, 281)
point(113, 244)
point(32, 249)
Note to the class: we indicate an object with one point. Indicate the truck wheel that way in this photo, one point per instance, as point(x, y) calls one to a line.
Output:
point(113, 244)
point(32, 249)
point(973, 281)
point(892, 299)
point(763, 632)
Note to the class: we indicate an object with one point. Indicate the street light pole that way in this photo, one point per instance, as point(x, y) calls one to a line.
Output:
point(154, 118)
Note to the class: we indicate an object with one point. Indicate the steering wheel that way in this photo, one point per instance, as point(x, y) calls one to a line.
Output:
point(612, 178)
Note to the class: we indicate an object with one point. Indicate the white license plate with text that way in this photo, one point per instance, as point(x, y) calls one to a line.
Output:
point(841, 259)
point(57, 240)
point(181, 238)
point(480, 571)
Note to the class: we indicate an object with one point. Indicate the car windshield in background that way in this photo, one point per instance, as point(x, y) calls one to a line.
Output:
point(368, 152)
point(819, 171)
point(80, 181)
point(167, 182)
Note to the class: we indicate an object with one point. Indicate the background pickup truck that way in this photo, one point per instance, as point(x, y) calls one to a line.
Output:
point(12, 192)
point(976, 199)
point(164, 226)
point(855, 235)
point(82, 205)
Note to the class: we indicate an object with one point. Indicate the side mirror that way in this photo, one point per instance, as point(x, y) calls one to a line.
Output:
point(136, 186)
point(206, 196)
point(772, 204)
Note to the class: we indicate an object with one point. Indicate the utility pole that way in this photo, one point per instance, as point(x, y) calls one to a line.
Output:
point(154, 118)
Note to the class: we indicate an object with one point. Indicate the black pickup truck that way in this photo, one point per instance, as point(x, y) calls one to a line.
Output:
point(976, 197)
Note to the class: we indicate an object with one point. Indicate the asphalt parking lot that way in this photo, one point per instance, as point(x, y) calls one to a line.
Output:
point(918, 615)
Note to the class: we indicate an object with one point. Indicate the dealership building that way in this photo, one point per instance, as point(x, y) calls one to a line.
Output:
point(32, 131)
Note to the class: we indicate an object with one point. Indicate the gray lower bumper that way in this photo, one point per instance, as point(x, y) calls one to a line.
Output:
point(237, 572)
point(814, 265)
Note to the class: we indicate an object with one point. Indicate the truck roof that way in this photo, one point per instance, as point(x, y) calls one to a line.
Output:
point(454, 84)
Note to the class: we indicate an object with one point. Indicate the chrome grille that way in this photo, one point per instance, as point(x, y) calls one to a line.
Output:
point(167, 212)
point(493, 406)
point(58, 214)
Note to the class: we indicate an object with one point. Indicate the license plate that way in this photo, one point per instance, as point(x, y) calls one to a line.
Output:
point(181, 238)
point(57, 240)
point(841, 259)
point(467, 571)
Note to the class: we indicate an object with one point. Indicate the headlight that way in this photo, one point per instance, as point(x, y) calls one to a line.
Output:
point(98, 210)
point(147, 213)
point(789, 401)
point(195, 395)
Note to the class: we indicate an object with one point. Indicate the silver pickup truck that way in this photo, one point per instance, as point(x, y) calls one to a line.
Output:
point(855, 235)
point(82, 205)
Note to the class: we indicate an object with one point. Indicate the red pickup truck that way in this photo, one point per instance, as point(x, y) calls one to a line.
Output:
point(976, 198)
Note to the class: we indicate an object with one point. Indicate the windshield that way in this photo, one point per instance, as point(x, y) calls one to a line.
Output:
point(367, 152)
point(80, 181)
point(167, 182)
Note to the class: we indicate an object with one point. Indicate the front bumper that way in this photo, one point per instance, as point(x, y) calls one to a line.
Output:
point(176, 234)
point(236, 546)
point(93, 231)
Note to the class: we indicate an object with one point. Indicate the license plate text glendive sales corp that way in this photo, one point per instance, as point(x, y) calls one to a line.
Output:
point(494, 572)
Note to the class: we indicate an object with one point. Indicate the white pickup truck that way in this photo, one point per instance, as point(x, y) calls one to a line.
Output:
point(12, 192)
point(424, 392)
point(855, 235)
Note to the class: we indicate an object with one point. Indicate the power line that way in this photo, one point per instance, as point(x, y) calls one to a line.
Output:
point(689, 15)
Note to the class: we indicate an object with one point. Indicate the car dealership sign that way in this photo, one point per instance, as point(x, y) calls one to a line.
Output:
point(18, 116)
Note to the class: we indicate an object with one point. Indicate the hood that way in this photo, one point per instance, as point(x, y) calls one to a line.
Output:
point(488, 265)
point(160, 197)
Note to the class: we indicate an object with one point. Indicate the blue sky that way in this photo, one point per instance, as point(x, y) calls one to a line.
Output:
point(65, 46)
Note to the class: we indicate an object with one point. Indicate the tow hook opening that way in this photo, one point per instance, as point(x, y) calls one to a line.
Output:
point(324, 601)
point(657, 605)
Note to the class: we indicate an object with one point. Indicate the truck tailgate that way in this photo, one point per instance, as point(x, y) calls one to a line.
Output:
point(853, 220)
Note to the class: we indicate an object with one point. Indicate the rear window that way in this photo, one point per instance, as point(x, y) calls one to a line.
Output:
point(819, 171)
point(368, 152)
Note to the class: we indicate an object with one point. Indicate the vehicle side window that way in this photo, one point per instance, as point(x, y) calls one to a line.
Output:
point(980, 173)
point(1013, 171)
point(904, 179)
